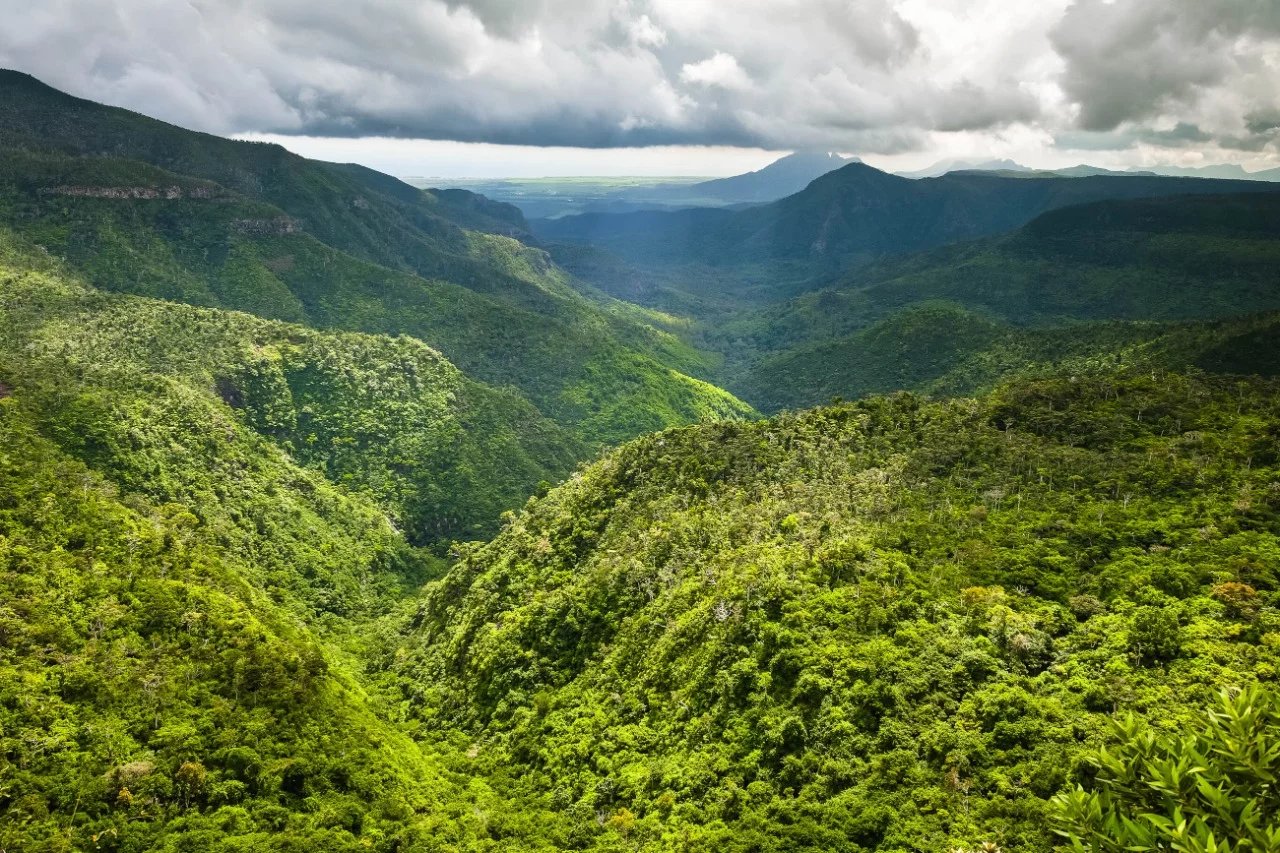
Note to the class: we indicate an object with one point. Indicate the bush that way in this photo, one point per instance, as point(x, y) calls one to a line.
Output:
point(1212, 789)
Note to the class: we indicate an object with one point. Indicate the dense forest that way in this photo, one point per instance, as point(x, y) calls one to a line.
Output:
point(142, 207)
point(341, 515)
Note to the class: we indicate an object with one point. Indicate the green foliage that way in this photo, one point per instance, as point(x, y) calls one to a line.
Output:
point(890, 625)
point(945, 350)
point(185, 216)
point(495, 307)
point(1211, 789)
point(881, 626)
point(151, 689)
point(442, 455)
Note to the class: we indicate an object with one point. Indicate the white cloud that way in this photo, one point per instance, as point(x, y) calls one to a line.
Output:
point(874, 77)
point(646, 33)
point(721, 70)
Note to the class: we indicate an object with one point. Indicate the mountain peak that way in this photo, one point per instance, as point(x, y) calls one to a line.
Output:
point(813, 155)
point(783, 177)
point(856, 170)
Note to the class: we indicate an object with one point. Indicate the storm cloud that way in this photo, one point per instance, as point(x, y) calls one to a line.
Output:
point(1173, 71)
point(876, 76)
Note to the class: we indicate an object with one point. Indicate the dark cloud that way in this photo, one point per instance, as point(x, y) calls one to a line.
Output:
point(877, 76)
point(1181, 135)
point(1263, 122)
point(1133, 66)
point(967, 106)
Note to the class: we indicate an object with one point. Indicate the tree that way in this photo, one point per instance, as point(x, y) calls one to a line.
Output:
point(1212, 790)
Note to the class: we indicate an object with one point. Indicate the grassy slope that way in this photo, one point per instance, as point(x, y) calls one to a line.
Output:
point(883, 626)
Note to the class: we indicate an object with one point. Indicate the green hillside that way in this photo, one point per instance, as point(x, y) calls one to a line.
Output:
point(1147, 259)
point(152, 698)
point(909, 322)
point(196, 510)
point(142, 207)
point(442, 454)
point(939, 348)
point(359, 211)
point(890, 625)
point(858, 214)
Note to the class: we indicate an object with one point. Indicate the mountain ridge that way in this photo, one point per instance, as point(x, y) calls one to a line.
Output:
point(855, 214)
point(338, 246)
point(782, 177)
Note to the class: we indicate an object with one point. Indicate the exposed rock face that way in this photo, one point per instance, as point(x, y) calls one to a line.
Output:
point(275, 227)
point(170, 193)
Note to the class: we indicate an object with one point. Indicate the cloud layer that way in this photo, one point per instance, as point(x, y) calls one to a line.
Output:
point(872, 76)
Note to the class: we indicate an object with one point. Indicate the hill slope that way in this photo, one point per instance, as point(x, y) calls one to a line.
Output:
point(883, 626)
point(441, 453)
point(939, 348)
point(782, 635)
point(143, 207)
point(195, 515)
point(1162, 258)
point(359, 211)
point(1169, 260)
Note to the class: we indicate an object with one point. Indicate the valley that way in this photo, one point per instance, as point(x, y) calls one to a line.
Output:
point(817, 508)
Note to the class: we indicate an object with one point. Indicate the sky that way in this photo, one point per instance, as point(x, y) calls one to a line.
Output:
point(486, 88)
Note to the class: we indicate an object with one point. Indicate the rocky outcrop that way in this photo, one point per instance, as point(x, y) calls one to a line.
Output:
point(277, 226)
point(169, 193)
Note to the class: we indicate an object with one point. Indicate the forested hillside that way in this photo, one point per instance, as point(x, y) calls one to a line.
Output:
point(442, 454)
point(197, 508)
point(1052, 291)
point(883, 626)
point(857, 214)
point(944, 350)
point(889, 625)
point(142, 207)
point(312, 539)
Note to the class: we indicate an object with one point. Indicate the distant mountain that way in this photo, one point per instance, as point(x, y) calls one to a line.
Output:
point(1227, 172)
point(1086, 171)
point(942, 167)
point(1171, 259)
point(1223, 171)
point(779, 179)
point(555, 197)
point(857, 214)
